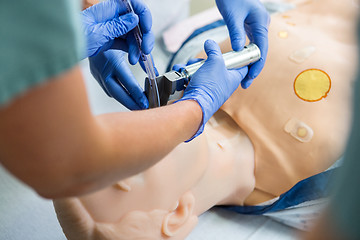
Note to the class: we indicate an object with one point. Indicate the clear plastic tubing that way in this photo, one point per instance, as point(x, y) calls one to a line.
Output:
point(154, 100)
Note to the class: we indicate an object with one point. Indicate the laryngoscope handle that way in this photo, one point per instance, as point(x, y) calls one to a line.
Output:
point(235, 59)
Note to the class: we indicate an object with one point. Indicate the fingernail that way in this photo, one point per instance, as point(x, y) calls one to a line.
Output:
point(145, 104)
point(248, 83)
point(131, 17)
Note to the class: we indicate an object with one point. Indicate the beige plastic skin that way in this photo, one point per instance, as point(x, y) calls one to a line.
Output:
point(164, 201)
point(301, 55)
point(244, 155)
point(263, 110)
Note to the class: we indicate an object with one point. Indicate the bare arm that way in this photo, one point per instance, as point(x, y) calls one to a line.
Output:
point(323, 230)
point(89, 3)
point(50, 140)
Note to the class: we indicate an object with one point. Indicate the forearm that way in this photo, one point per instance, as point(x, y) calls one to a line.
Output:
point(51, 141)
point(89, 3)
point(154, 131)
point(323, 229)
point(135, 141)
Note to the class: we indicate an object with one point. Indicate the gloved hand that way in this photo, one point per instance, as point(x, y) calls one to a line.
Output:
point(105, 21)
point(248, 16)
point(110, 69)
point(212, 84)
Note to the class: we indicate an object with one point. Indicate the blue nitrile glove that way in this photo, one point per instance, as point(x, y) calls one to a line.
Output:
point(105, 21)
point(250, 17)
point(178, 67)
point(212, 84)
point(111, 70)
point(148, 38)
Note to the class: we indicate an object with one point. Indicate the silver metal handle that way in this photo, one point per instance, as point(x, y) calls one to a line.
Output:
point(249, 54)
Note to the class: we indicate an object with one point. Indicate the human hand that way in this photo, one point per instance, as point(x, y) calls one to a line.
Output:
point(110, 69)
point(104, 22)
point(213, 83)
point(247, 17)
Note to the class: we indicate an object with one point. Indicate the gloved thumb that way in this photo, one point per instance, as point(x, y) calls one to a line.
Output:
point(119, 26)
point(237, 36)
point(212, 49)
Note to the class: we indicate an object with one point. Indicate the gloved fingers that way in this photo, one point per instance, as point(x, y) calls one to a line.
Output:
point(144, 14)
point(95, 71)
point(105, 89)
point(212, 50)
point(239, 75)
point(119, 26)
point(120, 44)
point(145, 25)
point(144, 68)
point(257, 67)
point(234, 17)
point(102, 48)
point(237, 34)
point(257, 29)
point(194, 60)
point(119, 93)
point(128, 81)
point(148, 42)
point(246, 82)
point(177, 67)
point(134, 51)
point(254, 71)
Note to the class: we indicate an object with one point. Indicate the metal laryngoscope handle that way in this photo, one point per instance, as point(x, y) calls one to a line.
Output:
point(174, 82)
point(250, 54)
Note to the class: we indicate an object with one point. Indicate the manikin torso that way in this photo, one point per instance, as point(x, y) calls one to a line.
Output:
point(245, 156)
point(327, 27)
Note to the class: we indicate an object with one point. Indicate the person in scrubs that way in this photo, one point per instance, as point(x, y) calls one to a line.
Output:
point(49, 138)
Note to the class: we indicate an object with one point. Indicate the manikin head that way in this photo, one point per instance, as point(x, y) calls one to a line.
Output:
point(164, 201)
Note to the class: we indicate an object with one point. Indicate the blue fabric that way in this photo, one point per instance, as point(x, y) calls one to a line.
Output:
point(311, 188)
point(196, 33)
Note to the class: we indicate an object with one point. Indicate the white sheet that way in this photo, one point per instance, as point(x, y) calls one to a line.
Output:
point(225, 225)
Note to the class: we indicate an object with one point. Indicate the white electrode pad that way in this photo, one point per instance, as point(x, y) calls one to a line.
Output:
point(299, 130)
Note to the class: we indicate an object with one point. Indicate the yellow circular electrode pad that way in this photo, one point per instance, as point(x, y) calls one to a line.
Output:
point(312, 85)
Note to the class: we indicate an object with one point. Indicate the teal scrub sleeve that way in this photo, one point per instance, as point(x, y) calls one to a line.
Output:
point(345, 207)
point(38, 40)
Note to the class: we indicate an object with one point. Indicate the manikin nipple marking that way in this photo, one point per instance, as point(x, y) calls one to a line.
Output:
point(283, 34)
point(291, 24)
point(123, 186)
point(220, 144)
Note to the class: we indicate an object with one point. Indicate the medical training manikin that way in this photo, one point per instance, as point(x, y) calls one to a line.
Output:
point(290, 125)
